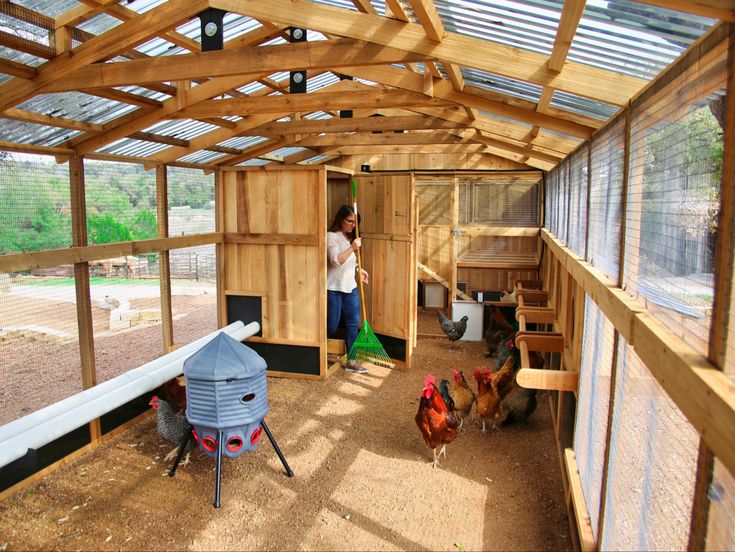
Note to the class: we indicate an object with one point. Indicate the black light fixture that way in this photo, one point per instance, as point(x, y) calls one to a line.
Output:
point(212, 26)
point(345, 113)
point(366, 168)
point(297, 82)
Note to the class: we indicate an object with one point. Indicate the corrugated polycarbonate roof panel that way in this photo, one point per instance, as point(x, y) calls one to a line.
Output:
point(52, 8)
point(202, 157)
point(254, 162)
point(77, 106)
point(514, 24)
point(503, 85)
point(242, 142)
point(37, 135)
point(582, 106)
point(135, 148)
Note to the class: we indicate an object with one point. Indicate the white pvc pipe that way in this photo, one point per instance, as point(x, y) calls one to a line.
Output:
point(49, 423)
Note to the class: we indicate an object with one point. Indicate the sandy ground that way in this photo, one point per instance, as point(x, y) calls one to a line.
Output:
point(362, 479)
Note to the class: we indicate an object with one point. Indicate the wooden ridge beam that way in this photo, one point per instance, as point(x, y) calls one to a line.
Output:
point(357, 124)
point(248, 60)
point(358, 139)
point(576, 78)
point(315, 101)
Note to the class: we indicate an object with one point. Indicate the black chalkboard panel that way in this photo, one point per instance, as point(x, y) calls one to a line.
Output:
point(294, 359)
point(246, 308)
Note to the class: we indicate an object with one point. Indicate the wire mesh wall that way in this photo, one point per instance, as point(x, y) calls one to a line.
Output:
point(434, 199)
point(673, 197)
point(652, 466)
point(606, 192)
point(194, 302)
point(502, 200)
point(121, 203)
point(593, 402)
point(190, 202)
point(35, 210)
point(126, 316)
point(39, 340)
point(551, 207)
point(578, 170)
point(38, 319)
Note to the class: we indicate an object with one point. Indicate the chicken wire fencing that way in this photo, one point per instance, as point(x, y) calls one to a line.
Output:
point(606, 192)
point(434, 198)
point(577, 182)
point(674, 197)
point(593, 402)
point(652, 464)
point(501, 200)
point(38, 319)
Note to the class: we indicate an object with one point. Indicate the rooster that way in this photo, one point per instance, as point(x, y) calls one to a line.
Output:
point(463, 396)
point(453, 330)
point(437, 423)
point(172, 427)
point(491, 389)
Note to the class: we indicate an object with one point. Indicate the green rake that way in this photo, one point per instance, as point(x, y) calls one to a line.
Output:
point(367, 347)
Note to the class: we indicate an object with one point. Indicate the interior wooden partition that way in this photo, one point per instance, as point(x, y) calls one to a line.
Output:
point(273, 259)
point(469, 241)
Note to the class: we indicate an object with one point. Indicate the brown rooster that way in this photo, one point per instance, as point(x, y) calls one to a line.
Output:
point(437, 423)
point(463, 396)
point(491, 389)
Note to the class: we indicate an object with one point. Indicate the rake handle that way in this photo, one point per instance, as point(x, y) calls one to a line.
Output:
point(357, 252)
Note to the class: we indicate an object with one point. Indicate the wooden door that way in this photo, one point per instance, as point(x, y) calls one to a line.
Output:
point(274, 264)
point(388, 210)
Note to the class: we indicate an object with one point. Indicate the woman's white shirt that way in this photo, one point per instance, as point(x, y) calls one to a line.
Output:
point(340, 277)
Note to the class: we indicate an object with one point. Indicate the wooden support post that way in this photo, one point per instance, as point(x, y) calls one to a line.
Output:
point(454, 210)
point(219, 218)
point(722, 334)
point(584, 527)
point(165, 268)
point(81, 282)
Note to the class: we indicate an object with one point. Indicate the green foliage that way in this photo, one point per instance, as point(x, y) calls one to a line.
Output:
point(144, 225)
point(105, 229)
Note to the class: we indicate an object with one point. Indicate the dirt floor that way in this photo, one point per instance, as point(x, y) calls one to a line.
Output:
point(362, 479)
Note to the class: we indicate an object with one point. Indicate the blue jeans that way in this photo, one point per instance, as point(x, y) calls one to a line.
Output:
point(339, 302)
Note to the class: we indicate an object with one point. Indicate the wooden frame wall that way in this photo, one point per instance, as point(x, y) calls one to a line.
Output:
point(79, 255)
point(696, 384)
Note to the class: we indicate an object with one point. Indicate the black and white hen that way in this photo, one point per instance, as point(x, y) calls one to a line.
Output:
point(453, 330)
point(172, 427)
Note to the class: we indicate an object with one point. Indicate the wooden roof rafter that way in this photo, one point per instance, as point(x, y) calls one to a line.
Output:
point(599, 84)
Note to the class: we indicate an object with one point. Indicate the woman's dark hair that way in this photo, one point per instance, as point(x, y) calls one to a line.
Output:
point(342, 213)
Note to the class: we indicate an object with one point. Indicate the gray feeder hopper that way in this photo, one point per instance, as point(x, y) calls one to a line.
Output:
point(227, 392)
point(226, 402)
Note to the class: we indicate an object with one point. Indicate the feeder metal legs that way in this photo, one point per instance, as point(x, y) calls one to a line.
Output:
point(219, 469)
point(182, 448)
point(278, 450)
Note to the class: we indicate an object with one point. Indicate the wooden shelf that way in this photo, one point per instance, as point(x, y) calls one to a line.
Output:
point(505, 259)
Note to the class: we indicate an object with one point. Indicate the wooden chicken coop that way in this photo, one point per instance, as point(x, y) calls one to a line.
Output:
point(168, 168)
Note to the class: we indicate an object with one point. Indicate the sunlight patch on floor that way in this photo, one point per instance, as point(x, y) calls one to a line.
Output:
point(307, 459)
point(333, 530)
point(452, 507)
point(375, 376)
point(349, 388)
point(337, 407)
point(225, 530)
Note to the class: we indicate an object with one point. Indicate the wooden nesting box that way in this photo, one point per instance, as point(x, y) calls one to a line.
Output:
point(273, 259)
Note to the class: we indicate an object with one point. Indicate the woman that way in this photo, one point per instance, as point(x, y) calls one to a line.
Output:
point(342, 294)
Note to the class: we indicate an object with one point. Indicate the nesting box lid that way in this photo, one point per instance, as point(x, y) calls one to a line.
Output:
point(224, 358)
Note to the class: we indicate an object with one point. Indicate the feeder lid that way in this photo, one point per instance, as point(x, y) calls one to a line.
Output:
point(223, 358)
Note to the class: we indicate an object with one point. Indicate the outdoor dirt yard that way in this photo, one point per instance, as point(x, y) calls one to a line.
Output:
point(362, 479)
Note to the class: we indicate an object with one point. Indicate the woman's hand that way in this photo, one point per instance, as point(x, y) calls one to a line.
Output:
point(364, 276)
point(356, 243)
